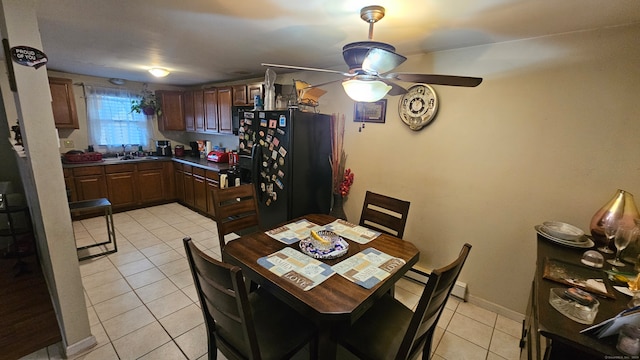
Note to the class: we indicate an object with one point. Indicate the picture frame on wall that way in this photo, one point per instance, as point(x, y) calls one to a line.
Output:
point(372, 112)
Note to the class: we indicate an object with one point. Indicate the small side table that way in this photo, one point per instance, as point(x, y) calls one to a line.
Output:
point(96, 204)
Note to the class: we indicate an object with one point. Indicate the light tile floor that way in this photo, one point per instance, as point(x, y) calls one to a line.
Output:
point(142, 302)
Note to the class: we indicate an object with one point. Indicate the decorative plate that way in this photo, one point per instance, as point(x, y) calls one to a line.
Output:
point(338, 248)
point(588, 243)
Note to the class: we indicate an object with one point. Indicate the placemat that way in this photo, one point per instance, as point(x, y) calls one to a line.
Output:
point(357, 233)
point(301, 270)
point(293, 232)
point(368, 267)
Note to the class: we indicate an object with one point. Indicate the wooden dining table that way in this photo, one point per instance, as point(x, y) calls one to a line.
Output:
point(336, 301)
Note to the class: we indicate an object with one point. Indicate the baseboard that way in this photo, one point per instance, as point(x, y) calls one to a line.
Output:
point(81, 346)
point(460, 291)
point(498, 309)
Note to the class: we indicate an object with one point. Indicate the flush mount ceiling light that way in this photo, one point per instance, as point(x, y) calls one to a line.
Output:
point(117, 81)
point(365, 88)
point(159, 72)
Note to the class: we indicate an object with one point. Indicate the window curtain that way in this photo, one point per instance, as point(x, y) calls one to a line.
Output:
point(111, 123)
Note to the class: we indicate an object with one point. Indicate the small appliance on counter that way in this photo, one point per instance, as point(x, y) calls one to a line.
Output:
point(163, 148)
point(218, 156)
point(179, 150)
point(195, 152)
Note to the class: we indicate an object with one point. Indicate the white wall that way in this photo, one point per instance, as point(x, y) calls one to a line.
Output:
point(550, 134)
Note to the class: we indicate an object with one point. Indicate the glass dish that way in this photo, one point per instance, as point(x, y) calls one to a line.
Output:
point(570, 308)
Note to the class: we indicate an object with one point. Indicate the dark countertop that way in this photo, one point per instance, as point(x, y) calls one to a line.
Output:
point(193, 161)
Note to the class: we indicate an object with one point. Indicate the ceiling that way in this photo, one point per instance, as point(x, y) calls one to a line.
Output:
point(208, 41)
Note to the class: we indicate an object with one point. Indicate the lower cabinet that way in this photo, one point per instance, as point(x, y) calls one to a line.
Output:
point(121, 185)
point(199, 190)
point(126, 186)
point(212, 179)
point(137, 184)
point(187, 179)
point(151, 182)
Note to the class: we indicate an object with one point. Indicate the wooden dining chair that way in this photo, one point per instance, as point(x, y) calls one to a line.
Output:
point(384, 213)
point(235, 209)
point(245, 325)
point(390, 330)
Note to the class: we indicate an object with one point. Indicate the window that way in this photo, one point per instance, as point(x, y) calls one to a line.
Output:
point(110, 120)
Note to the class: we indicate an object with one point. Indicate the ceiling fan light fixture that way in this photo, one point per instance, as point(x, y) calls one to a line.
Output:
point(365, 90)
point(159, 72)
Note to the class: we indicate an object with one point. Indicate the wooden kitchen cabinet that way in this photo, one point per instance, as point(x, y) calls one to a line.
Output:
point(244, 94)
point(187, 179)
point(169, 183)
point(151, 182)
point(90, 183)
point(63, 103)
point(224, 110)
point(212, 179)
point(172, 105)
point(198, 110)
point(189, 111)
point(210, 97)
point(69, 184)
point(179, 181)
point(121, 185)
point(199, 189)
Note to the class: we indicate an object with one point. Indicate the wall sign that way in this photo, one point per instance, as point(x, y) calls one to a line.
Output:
point(28, 56)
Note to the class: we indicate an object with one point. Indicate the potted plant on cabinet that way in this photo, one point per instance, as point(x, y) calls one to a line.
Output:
point(148, 103)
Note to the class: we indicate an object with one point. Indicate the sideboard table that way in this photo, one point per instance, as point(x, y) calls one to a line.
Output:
point(547, 334)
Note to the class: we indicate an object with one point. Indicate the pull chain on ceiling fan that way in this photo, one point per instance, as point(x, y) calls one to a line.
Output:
point(369, 63)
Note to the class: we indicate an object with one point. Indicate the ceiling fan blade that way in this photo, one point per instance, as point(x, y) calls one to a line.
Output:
point(324, 83)
point(306, 69)
point(450, 80)
point(395, 88)
point(380, 61)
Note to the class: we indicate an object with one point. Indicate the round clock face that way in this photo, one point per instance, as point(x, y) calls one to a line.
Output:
point(418, 107)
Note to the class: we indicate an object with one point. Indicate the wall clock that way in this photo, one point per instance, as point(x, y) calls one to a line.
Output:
point(418, 107)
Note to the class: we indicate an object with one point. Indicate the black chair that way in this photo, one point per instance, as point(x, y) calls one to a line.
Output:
point(384, 213)
point(245, 325)
point(390, 330)
point(235, 209)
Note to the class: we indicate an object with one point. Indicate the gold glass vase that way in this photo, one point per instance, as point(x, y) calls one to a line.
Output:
point(622, 207)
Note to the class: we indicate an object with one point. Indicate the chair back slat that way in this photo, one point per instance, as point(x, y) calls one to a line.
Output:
point(384, 213)
point(235, 208)
point(433, 300)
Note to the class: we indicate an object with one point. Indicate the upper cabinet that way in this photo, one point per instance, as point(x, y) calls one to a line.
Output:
point(224, 110)
point(243, 94)
point(172, 117)
point(63, 103)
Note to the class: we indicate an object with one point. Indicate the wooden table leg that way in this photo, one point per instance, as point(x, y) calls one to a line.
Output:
point(327, 345)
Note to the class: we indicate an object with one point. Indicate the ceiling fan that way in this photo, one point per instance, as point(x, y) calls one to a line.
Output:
point(369, 78)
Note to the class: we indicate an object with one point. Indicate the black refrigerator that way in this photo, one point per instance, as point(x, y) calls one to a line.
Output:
point(285, 155)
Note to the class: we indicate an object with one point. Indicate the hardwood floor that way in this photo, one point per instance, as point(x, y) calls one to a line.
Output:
point(27, 320)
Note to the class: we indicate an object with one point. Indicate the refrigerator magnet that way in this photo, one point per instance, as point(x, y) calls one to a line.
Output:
point(269, 138)
point(272, 124)
point(282, 121)
point(261, 133)
point(271, 132)
point(281, 161)
point(282, 152)
point(280, 131)
point(275, 165)
point(268, 202)
point(274, 155)
point(280, 173)
point(271, 147)
point(248, 115)
point(263, 122)
point(276, 141)
point(279, 183)
point(273, 177)
point(248, 121)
